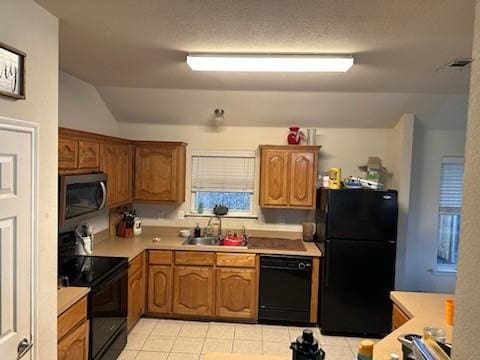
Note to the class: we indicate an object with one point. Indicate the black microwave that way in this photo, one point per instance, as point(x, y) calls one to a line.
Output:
point(80, 197)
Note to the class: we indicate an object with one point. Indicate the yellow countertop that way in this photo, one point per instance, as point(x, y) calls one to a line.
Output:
point(226, 356)
point(425, 309)
point(131, 247)
point(67, 296)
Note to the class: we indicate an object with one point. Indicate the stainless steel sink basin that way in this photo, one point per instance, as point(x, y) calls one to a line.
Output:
point(202, 241)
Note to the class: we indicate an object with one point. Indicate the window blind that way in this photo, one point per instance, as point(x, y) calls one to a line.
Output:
point(223, 171)
point(451, 184)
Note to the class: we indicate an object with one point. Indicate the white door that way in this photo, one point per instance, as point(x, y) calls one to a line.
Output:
point(17, 233)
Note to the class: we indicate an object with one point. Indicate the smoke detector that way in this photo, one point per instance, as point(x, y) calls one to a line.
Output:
point(457, 64)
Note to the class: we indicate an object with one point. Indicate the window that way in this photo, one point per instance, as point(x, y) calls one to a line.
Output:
point(450, 205)
point(223, 177)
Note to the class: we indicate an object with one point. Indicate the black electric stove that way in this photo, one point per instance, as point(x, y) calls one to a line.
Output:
point(107, 278)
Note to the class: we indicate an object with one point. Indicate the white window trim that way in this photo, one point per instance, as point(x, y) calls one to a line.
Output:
point(253, 213)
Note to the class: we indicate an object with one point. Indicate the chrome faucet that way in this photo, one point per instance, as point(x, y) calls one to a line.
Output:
point(219, 223)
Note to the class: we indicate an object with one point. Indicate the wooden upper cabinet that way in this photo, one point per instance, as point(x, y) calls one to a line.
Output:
point(67, 153)
point(236, 293)
point(302, 178)
point(88, 154)
point(274, 179)
point(160, 172)
point(123, 174)
point(193, 292)
point(288, 176)
point(108, 164)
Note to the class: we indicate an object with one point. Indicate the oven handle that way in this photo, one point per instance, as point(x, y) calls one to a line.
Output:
point(104, 195)
point(105, 283)
point(307, 268)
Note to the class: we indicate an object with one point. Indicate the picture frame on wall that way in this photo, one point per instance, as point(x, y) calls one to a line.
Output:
point(12, 72)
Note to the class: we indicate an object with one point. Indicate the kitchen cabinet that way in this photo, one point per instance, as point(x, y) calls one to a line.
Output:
point(193, 290)
point(67, 153)
point(136, 290)
point(88, 152)
point(160, 285)
point(160, 172)
point(116, 161)
point(236, 293)
point(288, 176)
point(398, 317)
point(72, 332)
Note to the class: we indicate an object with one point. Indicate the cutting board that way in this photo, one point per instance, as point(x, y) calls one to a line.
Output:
point(275, 244)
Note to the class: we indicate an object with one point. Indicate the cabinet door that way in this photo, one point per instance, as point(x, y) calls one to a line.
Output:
point(160, 284)
point(108, 165)
point(67, 153)
point(136, 297)
point(88, 154)
point(193, 291)
point(302, 179)
point(236, 293)
point(75, 345)
point(123, 174)
point(273, 178)
point(155, 173)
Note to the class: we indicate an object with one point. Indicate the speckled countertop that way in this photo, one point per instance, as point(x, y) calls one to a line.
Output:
point(68, 296)
point(131, 247)
point(425, 309)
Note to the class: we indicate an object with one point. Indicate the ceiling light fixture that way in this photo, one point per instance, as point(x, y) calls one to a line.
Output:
point(269, 63)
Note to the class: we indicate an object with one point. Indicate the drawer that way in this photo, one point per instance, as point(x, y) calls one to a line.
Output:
point(135, 265)
point(235, 260)
point(73, 316)
point(194, 258)
point(159, 257)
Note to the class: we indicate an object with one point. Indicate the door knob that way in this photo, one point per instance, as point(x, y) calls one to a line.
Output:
point(24, 347)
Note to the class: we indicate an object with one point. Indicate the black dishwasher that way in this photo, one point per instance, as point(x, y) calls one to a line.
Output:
point(285, 288)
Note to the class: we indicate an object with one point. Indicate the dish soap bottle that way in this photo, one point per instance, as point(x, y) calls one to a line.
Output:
point(365, 350)
point(197, 232)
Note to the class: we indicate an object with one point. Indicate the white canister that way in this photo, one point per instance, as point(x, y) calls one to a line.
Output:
point(137, 226)
point(311, 136)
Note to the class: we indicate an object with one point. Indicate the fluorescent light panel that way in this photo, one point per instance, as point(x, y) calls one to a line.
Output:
point(269, 63)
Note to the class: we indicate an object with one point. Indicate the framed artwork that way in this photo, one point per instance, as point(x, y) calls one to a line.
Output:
point(12, 72)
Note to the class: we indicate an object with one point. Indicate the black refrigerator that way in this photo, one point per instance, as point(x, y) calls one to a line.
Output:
point(357, 230)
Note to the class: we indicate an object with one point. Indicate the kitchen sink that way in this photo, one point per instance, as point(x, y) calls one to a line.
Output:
point(203, 241)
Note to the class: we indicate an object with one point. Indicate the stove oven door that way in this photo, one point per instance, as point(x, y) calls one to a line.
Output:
point(108, 312)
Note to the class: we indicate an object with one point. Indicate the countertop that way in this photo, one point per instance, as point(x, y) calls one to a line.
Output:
point(131, 247)
point(226, 356)
point(67, 296)
point(425, 309)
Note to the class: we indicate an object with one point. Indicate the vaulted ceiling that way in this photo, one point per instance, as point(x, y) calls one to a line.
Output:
point(397, 44)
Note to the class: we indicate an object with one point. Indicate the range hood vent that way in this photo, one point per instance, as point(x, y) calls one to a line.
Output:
point(457, 64)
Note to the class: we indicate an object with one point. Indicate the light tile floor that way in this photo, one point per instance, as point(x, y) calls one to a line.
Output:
point(158, 339)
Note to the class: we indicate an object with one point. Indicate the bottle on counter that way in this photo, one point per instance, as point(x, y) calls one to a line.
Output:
point(197, 232)
point(365, 350)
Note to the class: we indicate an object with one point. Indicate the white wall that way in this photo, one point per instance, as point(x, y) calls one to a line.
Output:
point(345, 148)
point(82, 108)
point(28, 27)
point(467, 315)
point(429, 148)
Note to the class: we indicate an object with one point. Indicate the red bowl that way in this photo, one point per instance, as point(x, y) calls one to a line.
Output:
point(232, 241)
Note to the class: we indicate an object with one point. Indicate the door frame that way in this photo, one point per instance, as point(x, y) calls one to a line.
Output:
point(31, 128)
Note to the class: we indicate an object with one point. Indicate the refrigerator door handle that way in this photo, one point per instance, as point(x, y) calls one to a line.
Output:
point(327, 266)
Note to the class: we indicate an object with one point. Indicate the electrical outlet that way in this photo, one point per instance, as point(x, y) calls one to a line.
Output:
point(281, 219)
point(160, 215)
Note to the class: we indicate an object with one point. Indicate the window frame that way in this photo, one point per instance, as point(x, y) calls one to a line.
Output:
point(439, 267)
point(252, 212)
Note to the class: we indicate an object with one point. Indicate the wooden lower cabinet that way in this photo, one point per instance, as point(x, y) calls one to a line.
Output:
point(136, 291)
point(74, 346)
point(236, 293)
point(193, 292)
point(398, 317)
point(160, 285)
point(72, 332)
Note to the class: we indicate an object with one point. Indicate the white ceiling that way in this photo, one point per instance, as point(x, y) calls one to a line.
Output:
point(118, 45)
